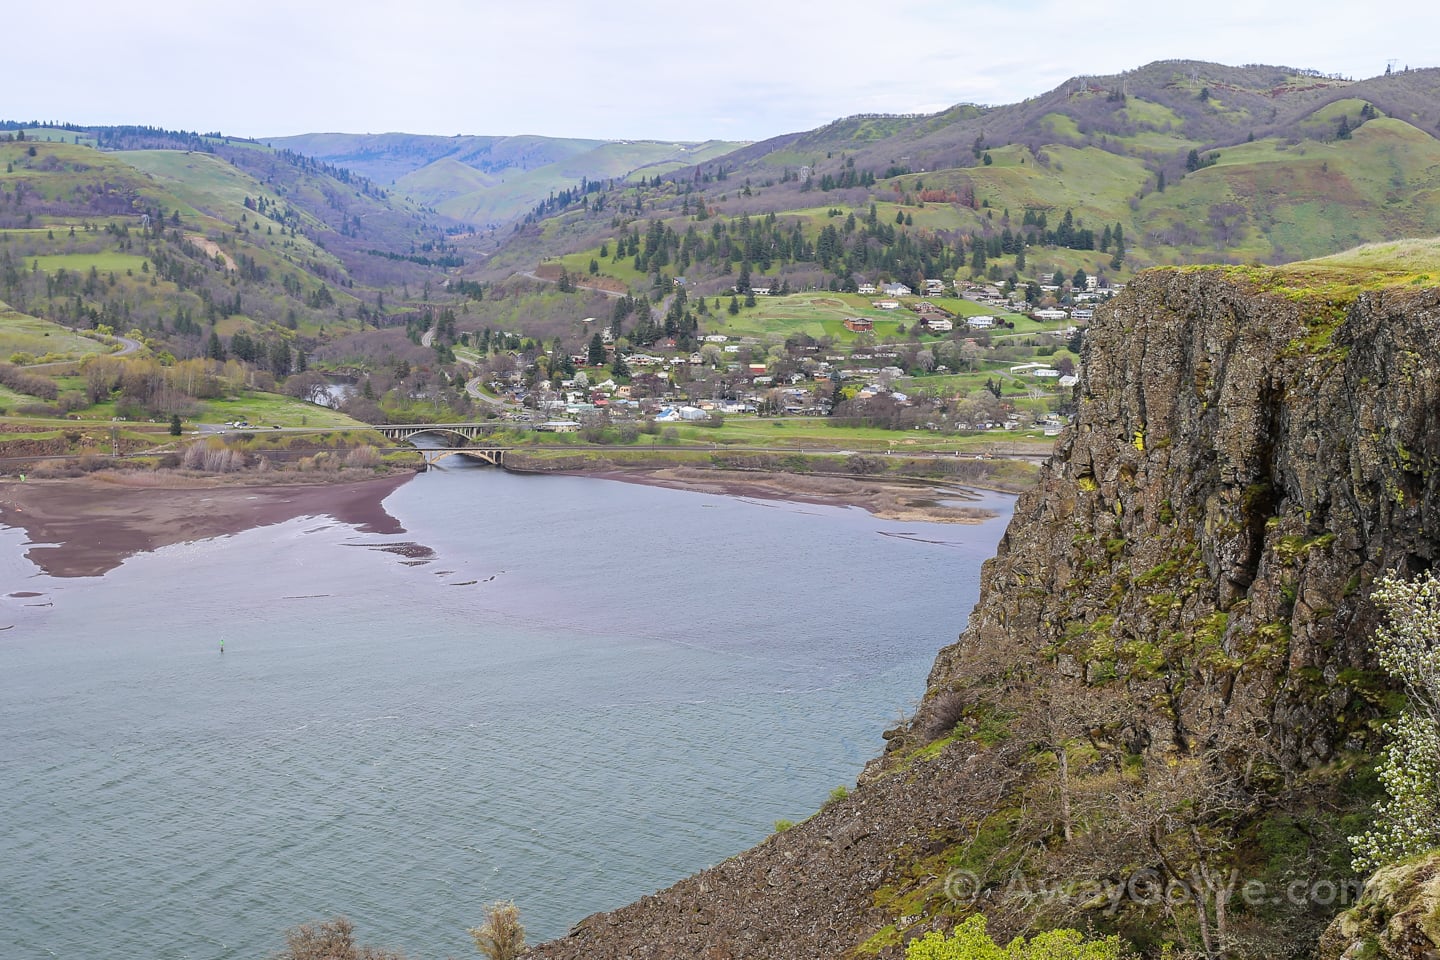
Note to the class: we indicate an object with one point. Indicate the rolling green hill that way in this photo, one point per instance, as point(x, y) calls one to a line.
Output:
point(1191, 162)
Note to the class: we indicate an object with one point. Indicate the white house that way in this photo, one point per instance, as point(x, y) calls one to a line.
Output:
point(939, 324)
point(866, 288)
point(1049, 314)
point(896, 290)
point(886, 304)
point(980, 323)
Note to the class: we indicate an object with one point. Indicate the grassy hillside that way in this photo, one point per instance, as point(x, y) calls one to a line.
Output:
point(225, 265)
point(1193, 162)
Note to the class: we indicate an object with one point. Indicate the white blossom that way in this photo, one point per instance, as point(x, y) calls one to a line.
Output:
point(1407, 821)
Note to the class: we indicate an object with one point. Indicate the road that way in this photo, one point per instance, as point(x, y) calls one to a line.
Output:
point(127, 347)
point(612, 294)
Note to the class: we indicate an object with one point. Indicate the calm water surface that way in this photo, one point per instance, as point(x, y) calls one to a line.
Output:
point(590, 690)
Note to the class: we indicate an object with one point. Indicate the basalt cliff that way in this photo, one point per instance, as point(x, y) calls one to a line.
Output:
point(1162, 716)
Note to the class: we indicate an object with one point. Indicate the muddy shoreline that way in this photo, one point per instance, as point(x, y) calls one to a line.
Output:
point(85, 526)
point(886, 498)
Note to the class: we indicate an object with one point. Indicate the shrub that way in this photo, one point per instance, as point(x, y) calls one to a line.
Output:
point(364, 457)
point(945, 712)
point(970, 942)
point(501, 936)
point(330, 940)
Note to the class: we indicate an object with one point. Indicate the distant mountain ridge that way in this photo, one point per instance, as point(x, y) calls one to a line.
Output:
point(486, 180)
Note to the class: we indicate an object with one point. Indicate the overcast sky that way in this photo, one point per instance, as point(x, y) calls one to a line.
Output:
point(633, 69)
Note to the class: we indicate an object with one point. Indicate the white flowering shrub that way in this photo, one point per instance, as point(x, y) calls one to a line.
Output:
point(1407, 821)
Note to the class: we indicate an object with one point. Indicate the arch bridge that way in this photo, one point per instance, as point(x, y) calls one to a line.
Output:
point(459, 439)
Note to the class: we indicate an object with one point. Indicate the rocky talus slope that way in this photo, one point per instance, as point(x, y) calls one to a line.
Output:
point(1161, 715)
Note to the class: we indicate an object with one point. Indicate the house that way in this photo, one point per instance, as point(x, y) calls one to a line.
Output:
point(934, 286)
point(866, 288)
point(1050, 314)
point(760, 291)
point(886, 304)
point(859, 324)
point(939, 324)
point(980, 323)
point(896, 290)
point(559, 426)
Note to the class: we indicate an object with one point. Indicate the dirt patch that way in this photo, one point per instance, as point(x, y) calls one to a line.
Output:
point(84, 527)
point(212, 250)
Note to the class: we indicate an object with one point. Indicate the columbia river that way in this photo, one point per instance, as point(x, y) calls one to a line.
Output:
point(564, 691)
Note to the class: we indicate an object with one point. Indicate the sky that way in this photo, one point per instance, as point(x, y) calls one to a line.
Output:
point(633, 69)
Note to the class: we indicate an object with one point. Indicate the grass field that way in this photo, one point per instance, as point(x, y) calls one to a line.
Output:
point(104, 261)
point(269, 409)
point(805, 433)
point(20, 333)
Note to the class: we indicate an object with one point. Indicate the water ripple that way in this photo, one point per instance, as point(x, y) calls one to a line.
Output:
point(634, 700)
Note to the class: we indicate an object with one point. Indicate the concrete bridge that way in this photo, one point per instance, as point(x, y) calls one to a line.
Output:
point(495, 456)
point(460, 433)
point(459, 439)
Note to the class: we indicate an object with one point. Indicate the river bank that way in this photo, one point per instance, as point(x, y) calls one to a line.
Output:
point(888, 499)
point(84, 526)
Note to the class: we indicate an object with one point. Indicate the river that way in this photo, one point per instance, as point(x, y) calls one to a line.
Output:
point(587, 691)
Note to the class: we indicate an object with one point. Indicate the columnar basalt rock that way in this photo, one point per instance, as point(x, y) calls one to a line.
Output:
point(1169, 649)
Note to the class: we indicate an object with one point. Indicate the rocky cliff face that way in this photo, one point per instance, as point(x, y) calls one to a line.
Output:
point(1398, 918)
point(1153, 720)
